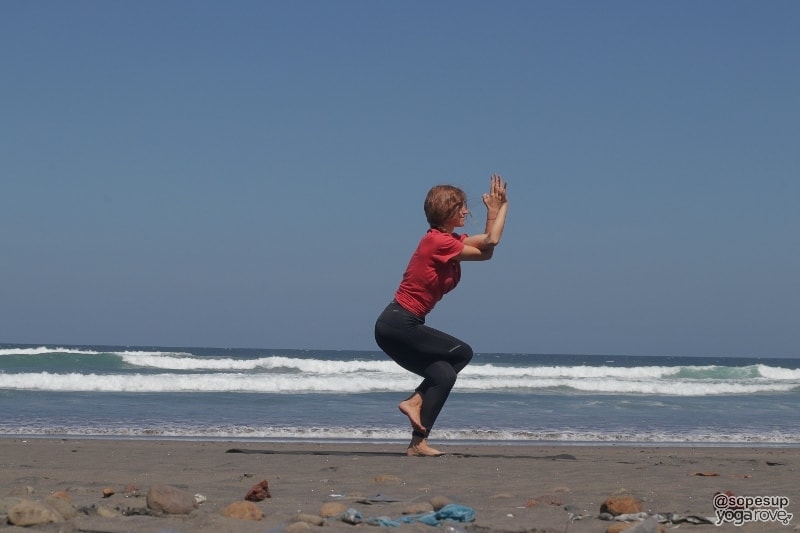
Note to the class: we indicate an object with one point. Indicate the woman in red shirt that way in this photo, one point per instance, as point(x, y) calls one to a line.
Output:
point(433, 271)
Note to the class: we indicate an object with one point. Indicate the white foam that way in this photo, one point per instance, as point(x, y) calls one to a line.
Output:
point(184, 372)
point(777, 373)
point(41, 350)
point(344, 382)
point(226, 382)
point(580, 371)
point(173, 361)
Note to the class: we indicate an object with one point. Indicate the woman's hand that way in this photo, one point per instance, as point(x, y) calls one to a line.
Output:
point(496, 195)
point(481, 247)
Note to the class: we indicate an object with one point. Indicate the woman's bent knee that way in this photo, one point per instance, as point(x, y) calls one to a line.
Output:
point(463, 356)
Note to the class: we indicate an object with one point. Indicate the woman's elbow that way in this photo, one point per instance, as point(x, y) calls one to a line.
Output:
point(489, 242)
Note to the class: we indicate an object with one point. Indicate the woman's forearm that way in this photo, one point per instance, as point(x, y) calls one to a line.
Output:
point(495, 225)
point(495, 222)
point(491, 216)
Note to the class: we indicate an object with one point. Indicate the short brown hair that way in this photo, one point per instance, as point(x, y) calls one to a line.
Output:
point(442, 203)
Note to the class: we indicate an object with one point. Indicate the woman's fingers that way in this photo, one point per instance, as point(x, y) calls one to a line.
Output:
point(497, 187)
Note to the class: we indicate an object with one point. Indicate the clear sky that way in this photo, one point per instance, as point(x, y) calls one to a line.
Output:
point(251, 173)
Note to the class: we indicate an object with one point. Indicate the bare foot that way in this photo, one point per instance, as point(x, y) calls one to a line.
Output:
point(419, 448)
point(412, 408)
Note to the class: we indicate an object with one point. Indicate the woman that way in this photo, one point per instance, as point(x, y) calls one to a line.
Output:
point(433, 271)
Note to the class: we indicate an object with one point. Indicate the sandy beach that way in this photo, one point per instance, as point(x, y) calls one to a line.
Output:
point(539, 488)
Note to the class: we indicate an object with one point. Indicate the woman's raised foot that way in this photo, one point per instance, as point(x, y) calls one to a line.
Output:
point(412, 408)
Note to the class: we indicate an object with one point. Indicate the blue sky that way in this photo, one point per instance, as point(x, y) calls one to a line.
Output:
point(251, 174)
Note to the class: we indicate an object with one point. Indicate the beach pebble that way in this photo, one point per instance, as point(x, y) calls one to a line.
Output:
point(314, 520)
point(418, 508)
point(296, 527)
point(243, 511)
point(170, 500)
point(630, 517)
point(63, 495)
point(62, 506)
point(621, 504)
point(108, 492)
point(437, 502)
point(30, 513)
point(105, 511)
point(351, 516)
point(331, 509)
point(650, 525)
point(258, 492)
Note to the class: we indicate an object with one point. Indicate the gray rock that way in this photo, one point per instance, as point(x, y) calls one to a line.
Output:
point(650, 525)
point(351, 516)
point(437, 502)
point(418, 508)
point(170, 500)
point(31, 513)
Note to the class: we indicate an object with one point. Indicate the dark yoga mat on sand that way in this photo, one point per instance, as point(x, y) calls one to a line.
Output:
point(366, 453)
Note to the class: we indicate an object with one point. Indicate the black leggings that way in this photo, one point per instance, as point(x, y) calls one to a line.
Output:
point(435, 356)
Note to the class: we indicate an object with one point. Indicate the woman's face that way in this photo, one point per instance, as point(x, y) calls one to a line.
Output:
point(460, 218)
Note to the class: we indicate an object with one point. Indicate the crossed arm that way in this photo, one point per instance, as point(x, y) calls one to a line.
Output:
point(481, 247)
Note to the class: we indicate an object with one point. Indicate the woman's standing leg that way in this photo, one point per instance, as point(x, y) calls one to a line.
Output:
point(440, 377)
point(435, 356)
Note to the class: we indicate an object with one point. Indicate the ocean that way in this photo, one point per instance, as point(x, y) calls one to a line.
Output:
point(351, 396)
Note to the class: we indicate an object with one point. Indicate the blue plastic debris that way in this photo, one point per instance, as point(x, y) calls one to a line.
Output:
point(452, 511)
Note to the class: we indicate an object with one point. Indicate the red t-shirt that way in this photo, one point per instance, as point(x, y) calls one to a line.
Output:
point(432, 272)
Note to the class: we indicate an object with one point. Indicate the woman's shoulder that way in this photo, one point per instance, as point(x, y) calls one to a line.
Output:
point(440, 242)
